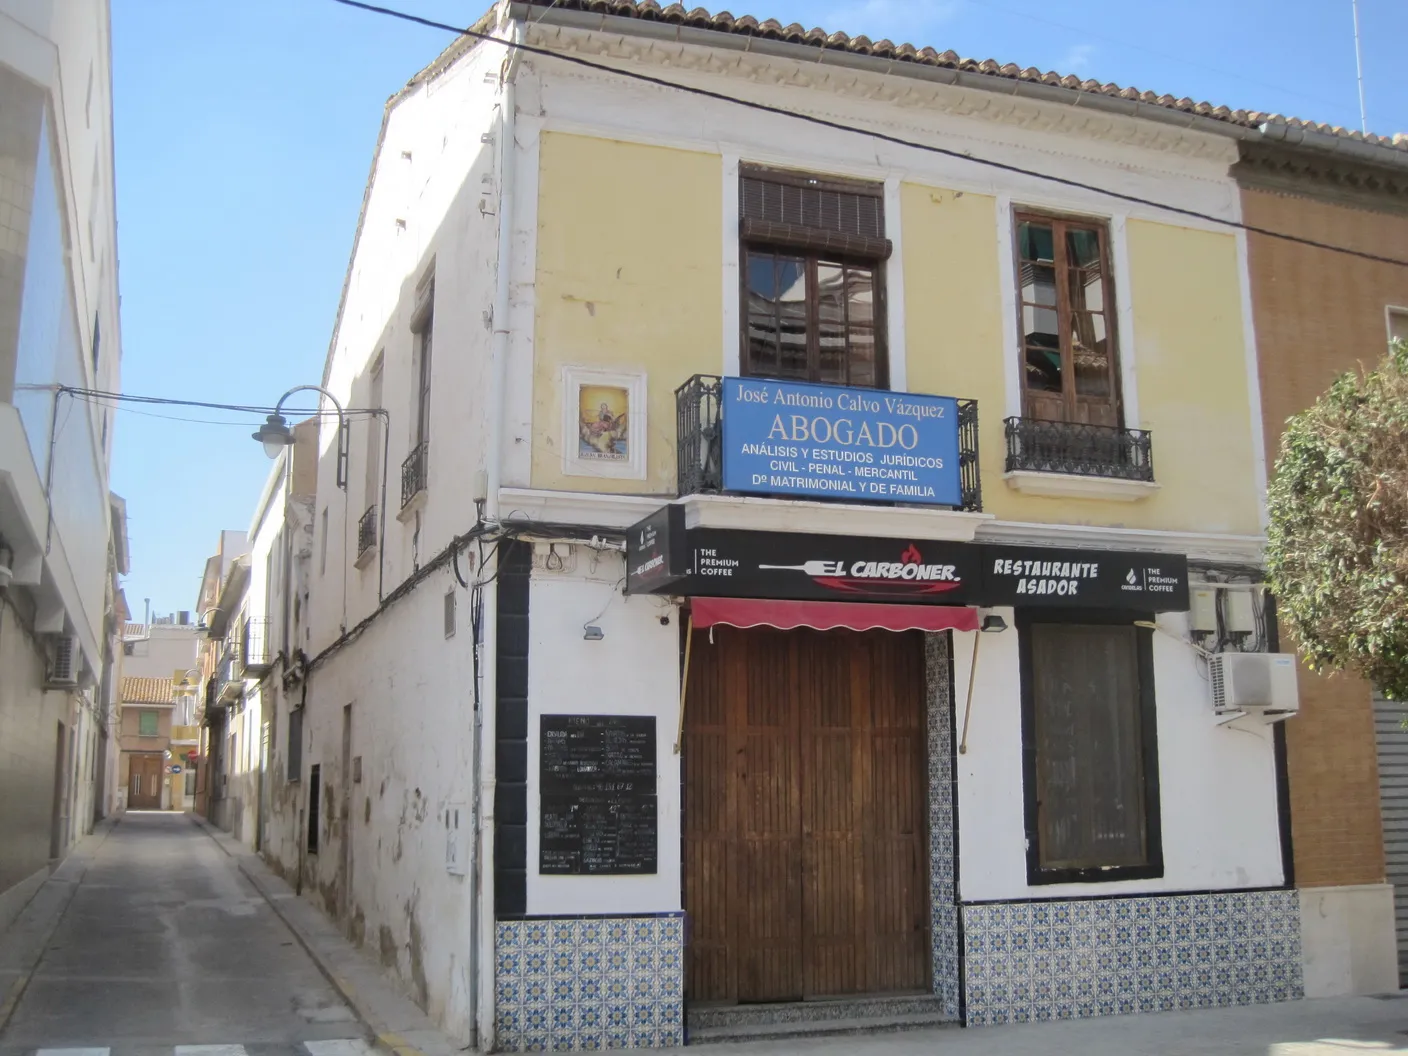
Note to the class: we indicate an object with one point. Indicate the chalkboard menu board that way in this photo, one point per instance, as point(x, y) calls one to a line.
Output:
point(598, 797)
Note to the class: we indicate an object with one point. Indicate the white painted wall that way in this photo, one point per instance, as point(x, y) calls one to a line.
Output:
point(59, 210)
point(165, 648)
point(433, 173)
point(411, 692)
point(634, 670)
point(1217, 784)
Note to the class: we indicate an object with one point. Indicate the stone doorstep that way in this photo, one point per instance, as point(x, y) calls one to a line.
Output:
point(809, 1019)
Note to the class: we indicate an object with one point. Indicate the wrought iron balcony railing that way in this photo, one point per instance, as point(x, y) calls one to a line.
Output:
point(229, 674)
point(1079, 450)
point(413, 472)
point(254, 646)
point(366, 531)
point(699, 424)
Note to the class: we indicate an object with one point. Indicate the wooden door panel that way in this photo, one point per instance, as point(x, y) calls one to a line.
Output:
point(805, 836)
point(896, 841)
point(144, 784)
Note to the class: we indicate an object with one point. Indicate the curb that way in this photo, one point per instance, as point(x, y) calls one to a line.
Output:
point(79, 859)
point(428, 1042)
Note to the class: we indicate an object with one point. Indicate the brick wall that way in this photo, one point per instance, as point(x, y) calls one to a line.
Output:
point(1318, 314)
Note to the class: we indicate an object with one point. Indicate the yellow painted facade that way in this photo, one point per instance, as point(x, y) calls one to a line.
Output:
point(630, 264)
point(630, 245)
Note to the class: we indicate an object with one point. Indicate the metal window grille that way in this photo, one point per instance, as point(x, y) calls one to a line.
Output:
point(1078, 449)
point(413, 472)
point(366, 531)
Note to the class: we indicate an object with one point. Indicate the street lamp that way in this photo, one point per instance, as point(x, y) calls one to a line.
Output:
point(275, 434)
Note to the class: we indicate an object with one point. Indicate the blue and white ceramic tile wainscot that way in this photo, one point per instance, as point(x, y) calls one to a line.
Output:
point(588, 984)
point(1030, 961)
point(943, 911)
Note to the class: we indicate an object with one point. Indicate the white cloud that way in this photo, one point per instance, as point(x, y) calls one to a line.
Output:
point(1076, 59)
point(899, 20)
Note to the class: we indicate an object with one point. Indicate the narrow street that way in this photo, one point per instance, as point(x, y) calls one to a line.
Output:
point(166, 946)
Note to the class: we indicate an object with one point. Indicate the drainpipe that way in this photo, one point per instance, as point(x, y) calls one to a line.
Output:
point(483, 966)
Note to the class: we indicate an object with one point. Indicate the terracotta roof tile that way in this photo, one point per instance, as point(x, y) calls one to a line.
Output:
point(138, 690)
point(650, 10)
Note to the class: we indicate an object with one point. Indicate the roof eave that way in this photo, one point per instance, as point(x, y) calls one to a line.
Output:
point(1285, 134)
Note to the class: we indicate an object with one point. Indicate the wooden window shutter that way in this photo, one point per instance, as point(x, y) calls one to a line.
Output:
point(810, 212)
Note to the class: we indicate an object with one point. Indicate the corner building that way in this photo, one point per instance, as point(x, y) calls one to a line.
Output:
point(811, 559)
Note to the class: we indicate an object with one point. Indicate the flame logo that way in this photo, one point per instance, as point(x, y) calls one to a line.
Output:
point(912, 556)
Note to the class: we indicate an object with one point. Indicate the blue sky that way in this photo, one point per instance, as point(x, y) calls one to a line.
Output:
point(244, 134)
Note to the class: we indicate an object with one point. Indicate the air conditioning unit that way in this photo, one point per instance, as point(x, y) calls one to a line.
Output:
point(1254, 682)
point(67, 661)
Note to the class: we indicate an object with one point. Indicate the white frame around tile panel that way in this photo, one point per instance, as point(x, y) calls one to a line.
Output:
point(575, 377)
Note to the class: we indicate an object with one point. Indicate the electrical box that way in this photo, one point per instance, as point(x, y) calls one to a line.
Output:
point(1254, 682)
point(1241, 610)
point(1202, 610)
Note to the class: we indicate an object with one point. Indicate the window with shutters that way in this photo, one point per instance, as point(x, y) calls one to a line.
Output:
point(1070, 370)
point(1089, 740)
point(147, 724)
point(814, 252)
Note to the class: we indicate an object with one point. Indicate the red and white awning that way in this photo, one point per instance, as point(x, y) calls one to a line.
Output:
point(830, 615)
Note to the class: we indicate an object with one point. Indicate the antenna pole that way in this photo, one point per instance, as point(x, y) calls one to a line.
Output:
point(1359, 69)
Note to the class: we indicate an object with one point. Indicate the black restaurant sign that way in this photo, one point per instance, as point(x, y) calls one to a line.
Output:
point(1107, 579)
point(663, 558)
point(598, 807)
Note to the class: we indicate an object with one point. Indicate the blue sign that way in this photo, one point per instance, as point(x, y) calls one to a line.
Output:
point(782, 438)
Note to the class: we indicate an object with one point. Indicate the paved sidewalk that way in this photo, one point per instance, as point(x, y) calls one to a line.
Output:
point(393, 1019)
point(1343, 1026)
point(22, 944)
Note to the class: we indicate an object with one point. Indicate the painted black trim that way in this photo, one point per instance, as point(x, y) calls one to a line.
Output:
point(511, 732)
point(1123, 894)
point(1283, 773)
point(1153, 831)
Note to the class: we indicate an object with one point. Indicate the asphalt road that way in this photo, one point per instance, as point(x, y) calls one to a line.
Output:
point(166, 945)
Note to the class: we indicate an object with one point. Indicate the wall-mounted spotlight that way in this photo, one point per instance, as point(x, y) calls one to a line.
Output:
point(592, 633)
point(993, 623)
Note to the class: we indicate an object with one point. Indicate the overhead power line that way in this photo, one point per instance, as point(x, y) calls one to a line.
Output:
point(98, 395)
point(884, 137)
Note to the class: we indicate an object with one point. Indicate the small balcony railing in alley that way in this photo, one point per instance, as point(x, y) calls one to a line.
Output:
point(413, 472)
point(1072, 448)
point(366, 531)
point(229, 674)
point(255, 646)
point(929, 458)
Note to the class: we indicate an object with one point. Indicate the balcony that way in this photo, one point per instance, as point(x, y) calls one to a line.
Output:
point(255, 646)
point(366, 533)
point(413, 472)
point(229, 675)
point(700, 428)
point(1076, 460)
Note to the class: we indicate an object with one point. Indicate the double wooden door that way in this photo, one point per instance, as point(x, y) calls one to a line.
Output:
point(144, 777)
point(805, 822)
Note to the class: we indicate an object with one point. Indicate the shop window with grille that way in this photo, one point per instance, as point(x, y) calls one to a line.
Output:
point(1091, 756)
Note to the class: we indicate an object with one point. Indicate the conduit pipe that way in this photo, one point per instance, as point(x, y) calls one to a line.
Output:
point(482, 970)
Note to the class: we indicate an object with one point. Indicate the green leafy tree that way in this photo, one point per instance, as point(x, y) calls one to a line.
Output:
point(1337, 544)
